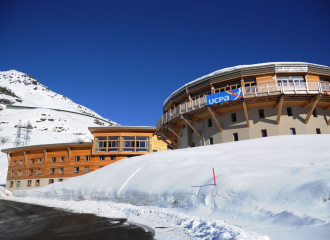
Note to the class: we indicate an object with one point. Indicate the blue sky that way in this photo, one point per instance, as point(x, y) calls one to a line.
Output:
point(122, 59)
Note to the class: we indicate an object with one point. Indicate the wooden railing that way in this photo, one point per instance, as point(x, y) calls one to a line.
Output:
point(249, 92)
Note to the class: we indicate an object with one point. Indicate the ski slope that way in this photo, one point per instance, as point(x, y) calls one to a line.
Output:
point(277, 187)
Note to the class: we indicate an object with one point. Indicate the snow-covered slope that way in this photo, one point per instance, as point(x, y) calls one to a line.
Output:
point(49, 126)
point(278, 186)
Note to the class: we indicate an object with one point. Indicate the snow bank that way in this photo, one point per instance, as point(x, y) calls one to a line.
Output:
point(275, 182)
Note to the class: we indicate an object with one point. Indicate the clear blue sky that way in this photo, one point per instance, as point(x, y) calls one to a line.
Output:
point(122, 59)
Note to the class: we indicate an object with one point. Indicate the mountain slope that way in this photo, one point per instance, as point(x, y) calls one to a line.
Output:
point(48, 126)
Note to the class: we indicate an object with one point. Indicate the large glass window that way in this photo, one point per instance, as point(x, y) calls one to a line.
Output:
point(142, 144)
point(227, 86)
point(113, 144)
point(100, 144)
point(291, 81)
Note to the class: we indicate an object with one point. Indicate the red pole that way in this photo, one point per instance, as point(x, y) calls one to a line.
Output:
point(215, 182)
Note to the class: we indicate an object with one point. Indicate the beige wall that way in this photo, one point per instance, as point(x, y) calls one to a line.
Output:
point(23, 183)
point(296, 121)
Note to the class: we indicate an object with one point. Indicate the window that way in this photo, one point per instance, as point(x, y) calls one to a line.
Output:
point(13, 173)
point(52, 171)
point(324, 83)
point(53, 159)
point(101, 166)
point(318, 131)
point(100, 144)
point(261, 113)
point(37, 183)
point(192, 144)
point(293, 131)
point(199, 94)
point(38, 171)
point(61, 170)
point(264, 133)
point(227, 87)
point(87, 158)
point(86, 169)
point(235, 137)
point(209, 122)
point(14, 163)
point(289, 111)
point(40, 160)
point(77, 158)
point(113, 144)
point(290, 81)
point(250, 85)
point(233, 117)
point(31, 161)
point(76, 170)
point(127, 144)
point(18, 184)
point(102, 158)
point(211, 141)
point(11, 184)
point(315, 112)
point(62, 159)
point(113, 157)
point(142, 144)
point(30, 172)
point(29, 183)
point(21, 162)
point(184, 126)
point(51, 181)
point(154, 150)
point(60, 179)
point(20, 173)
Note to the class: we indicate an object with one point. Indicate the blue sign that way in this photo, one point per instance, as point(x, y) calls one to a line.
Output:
point(231, 95)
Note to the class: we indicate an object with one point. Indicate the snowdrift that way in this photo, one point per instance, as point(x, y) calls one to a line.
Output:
point(281, 181)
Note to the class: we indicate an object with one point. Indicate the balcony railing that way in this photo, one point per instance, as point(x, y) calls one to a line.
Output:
point(249, 92)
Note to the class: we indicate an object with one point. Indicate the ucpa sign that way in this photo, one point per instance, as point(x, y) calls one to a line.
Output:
point(224, 96)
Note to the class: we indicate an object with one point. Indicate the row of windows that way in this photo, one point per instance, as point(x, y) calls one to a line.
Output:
point(261, 115)
point(62, 159)
point(52, 171)
point(263, 134)
point(124, 144)
point(29, 183)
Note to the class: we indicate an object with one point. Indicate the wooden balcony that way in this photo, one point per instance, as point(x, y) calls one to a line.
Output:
point(306, 88)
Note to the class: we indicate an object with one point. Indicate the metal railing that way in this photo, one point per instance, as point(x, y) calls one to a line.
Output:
point(249, 92)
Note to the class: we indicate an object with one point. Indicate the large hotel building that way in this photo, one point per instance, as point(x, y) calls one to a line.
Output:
point(246, 102)
point(231, 104)
point(40, 165)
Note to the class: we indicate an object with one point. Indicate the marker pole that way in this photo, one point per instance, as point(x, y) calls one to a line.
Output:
point(215, 182)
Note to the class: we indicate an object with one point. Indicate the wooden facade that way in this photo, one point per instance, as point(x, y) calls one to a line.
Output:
point(40, 165)
point(273, 86)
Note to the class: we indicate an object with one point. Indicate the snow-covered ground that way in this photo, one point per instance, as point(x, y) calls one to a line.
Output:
point(275, 186)
point(49, 126)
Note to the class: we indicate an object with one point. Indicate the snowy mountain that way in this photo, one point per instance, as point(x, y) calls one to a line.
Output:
point(67, 123)
point(276, 186)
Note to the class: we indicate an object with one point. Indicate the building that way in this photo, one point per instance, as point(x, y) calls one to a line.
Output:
point(246, 102)
point(40, 165)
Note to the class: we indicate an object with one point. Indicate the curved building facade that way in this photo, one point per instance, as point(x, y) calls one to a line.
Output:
point(246, 102)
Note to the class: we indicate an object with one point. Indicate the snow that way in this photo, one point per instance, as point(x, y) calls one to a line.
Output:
point(276, 186)
point(282, 65)
point(49, 126)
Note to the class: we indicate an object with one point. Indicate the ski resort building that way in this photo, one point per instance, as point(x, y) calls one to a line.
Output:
point(246, 102)
point(40, 165)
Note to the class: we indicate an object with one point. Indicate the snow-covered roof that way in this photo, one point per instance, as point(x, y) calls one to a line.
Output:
point(228, 70)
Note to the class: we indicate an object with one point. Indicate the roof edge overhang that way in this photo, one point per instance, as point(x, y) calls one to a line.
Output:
point(47, 146)
point(122, 129)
